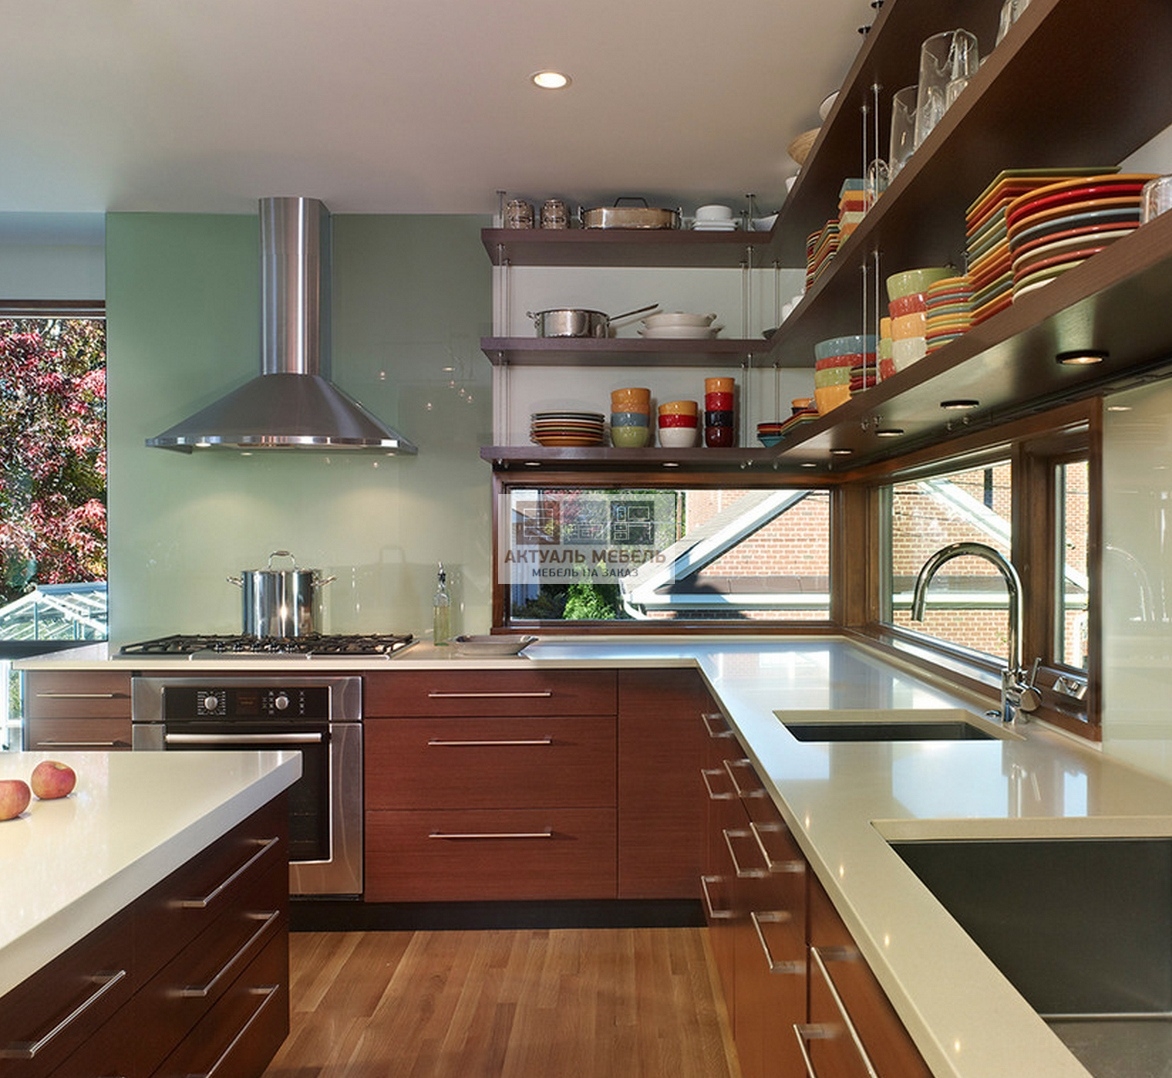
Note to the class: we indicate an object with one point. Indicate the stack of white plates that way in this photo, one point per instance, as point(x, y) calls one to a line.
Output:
point(692, 333)
point(715, 226)
point(567, 428)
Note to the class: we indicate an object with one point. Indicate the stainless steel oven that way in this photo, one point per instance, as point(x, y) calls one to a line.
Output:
point(319, 717)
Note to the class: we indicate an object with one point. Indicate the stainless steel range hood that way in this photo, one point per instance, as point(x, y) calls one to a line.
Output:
point(291, 404)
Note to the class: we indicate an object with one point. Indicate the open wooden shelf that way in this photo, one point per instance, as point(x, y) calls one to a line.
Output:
point(612, 351)
point(622, 247)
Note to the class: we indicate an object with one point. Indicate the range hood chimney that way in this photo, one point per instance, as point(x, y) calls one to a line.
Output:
point(291, 404)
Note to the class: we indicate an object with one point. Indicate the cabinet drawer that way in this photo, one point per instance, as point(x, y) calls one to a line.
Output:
point(112, 1052)
point(50, 1015)
point(66, 694)
point(243, 1030)
point(490, 854)
point(490, 763)
point(77, 735)
point(530, 691)
point(185, 989)
point(183, 905)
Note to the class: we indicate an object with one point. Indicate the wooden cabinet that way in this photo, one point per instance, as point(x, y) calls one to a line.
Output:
point(853, 1029)
point(490, 785)
point(661, 747)
point(193, 973)
point(87, 710)
point(799, 995)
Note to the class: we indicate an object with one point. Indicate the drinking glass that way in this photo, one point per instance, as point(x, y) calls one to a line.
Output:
point(947, 62)
point(1155, 199)
point(903, 130)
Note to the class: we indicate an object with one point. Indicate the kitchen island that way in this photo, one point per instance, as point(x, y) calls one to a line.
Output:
point(846, 802)
point(127, 871)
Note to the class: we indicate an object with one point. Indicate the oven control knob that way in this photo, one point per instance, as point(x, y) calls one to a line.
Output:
point(210, 703)
point(280, 701)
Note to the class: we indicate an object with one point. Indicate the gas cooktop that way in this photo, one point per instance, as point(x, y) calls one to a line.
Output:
point(308, 645)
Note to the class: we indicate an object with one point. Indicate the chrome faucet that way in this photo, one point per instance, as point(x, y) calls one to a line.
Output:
point(1017, 685)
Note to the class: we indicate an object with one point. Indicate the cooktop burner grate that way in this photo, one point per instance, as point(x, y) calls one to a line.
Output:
point(309, 644)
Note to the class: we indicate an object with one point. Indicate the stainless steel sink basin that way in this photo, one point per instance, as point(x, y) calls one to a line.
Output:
point(897, 724)
point(1082, 928)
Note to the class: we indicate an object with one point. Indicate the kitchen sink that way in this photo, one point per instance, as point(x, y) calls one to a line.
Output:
point(898, 724)
point(1082, 928)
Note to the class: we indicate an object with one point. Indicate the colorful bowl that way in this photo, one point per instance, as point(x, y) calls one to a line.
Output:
point(916, 280)
point(720, 418)
point(718, 402)
point(630, 437)
point(678, 408)
point(674, 419)
point(720, 437)
point(677, 437)
point(837, 346)
point(629, 419)
point(719, 385)
point(830, 397)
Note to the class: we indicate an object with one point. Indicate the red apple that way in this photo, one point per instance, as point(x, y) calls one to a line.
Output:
point(14, 798)
point(52, 779)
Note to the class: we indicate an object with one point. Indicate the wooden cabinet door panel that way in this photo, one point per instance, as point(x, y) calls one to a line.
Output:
point(77, 735)
point(469, 855)
point(662, 745)
point(527, 691)
point(882, 1035)
point(67, 694)
point(490, 763)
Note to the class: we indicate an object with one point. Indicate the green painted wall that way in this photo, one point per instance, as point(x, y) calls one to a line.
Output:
point(411, 298)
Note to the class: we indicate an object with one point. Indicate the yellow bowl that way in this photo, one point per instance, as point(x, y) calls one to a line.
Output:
point(830, 397)
point(678, 408)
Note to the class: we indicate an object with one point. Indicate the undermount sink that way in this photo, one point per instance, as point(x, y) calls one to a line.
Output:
point(1082, 928)
point(888, 724)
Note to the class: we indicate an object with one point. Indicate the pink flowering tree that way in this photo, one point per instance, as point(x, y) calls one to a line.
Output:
point(52, 452)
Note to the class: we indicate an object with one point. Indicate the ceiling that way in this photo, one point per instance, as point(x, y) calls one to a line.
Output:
point(409, 106)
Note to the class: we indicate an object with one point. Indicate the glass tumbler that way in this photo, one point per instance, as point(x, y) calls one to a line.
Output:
point(947, 62)
point(903, 130)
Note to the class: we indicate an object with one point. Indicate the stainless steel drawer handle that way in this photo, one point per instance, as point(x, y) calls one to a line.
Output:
point(794, 865)
point(51, 743)
point(490, 834)
point(29, 1049)
point(731, 834)
point(710, 718)
point(265, 845)
point(434, 695)
point(817, 956)
point(441, 743)
point(713, 913)
point(805, 1033)
point(267, 991)
point(202, 991)
point(80, 695)
point(776, 917)
point(743, 794)
point(706, 774)
point(242, 739)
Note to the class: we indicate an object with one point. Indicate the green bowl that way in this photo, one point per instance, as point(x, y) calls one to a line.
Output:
point(630, 437)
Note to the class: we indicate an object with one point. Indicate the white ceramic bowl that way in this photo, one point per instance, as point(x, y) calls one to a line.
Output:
point(678, 437)
point(714, 212)
point(677, 318)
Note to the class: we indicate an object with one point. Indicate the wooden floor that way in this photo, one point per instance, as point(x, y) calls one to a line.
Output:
point(548, 1003)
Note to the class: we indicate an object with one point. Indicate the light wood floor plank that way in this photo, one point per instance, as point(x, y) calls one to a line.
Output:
point(587, 1003)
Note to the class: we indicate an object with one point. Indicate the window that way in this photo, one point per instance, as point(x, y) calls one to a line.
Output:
point(52, 486)
point(576, 553)
point(1072, 533)
point(967, 601)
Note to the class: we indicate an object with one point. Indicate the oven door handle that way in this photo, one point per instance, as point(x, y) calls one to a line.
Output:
point(243, 739)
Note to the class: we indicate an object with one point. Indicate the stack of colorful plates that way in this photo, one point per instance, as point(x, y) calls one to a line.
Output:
point(949, 311)
point(820, 249)
point(1059, 226)
point(567, 428)
point(990, 265)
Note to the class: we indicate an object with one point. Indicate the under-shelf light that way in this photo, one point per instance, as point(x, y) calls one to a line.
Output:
point(960, 404)
point(1081, 357)
point(549, 80)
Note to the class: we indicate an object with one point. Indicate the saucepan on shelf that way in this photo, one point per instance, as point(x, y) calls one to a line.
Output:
point(579, 321)
point(640, 216)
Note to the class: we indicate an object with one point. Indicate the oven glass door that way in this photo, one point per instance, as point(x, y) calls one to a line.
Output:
point(309, 796)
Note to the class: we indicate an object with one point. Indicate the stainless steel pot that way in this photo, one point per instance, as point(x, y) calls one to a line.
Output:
point(617, 216)
point(578, 321)
point(280, 602)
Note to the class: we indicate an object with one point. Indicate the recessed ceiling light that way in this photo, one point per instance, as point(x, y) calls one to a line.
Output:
point(841, 452)
point(550, 80)
point(960, 404)
point(889, 432)
point(1082, 357)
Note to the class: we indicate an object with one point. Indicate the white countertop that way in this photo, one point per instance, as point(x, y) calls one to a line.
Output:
point(844, 800)
point(70, 864)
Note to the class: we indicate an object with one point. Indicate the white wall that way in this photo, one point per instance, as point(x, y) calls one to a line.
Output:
point(52, 256)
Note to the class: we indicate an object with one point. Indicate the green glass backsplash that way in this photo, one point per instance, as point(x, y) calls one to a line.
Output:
point(412, 295)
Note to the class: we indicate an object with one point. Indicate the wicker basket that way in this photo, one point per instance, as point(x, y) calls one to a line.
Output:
point(799, 149)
